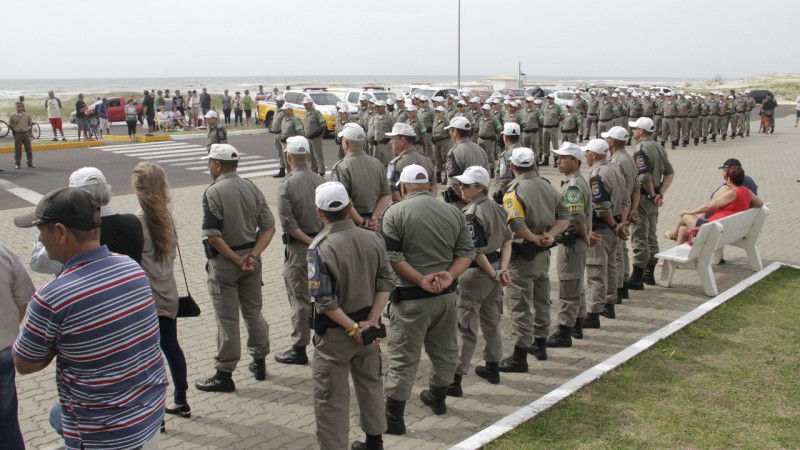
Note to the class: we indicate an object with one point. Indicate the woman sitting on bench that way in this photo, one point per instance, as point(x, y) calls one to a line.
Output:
point(728, 200)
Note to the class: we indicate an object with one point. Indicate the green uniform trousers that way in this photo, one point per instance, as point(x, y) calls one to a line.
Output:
point(22, 140)
point(601, 271)
point(570, 137)
point(604, 125)
point(529, 299)
point(383, 152)
point(480, 298)
point(571, 267)
point(683, 130)
point(746, 121)
point(530, 139)
point(440, 150)
point(317, 158)
point(279, 148)
point(231, 290)
point(490, 147)
point(734, 124)
point(645, 242)
point(658, 121)
point(431, 322)
point(552, 138)
point(623, 263)
point(669, 129)
point(335, 358)
point(295, 276)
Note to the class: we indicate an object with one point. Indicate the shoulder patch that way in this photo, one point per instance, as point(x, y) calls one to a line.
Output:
point(514, 209)
point(574, 200)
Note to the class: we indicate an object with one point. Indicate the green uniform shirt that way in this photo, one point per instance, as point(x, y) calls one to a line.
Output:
point(571, 122)
point(606, 110)
point(291, 126)
point(216, 135)
point(629, 171)
point(408, 157)
point(314, 124)
point(489, 127)
point(364, 177)
point(465, 154)
point(608, 188)
point(487, 221)
point(235, 209)
point(401, 115)
point(552, 114)
point(656, 164)
point(532, 120)
point(277, 121)
point(296, 207)
point(577, 197)
point(531, 202)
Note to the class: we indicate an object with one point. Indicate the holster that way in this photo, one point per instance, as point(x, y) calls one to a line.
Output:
point(321, 322)
point(526, 251)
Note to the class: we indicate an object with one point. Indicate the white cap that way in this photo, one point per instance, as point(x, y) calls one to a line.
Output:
point(570, 104)
point(390, 101)
point(577, 91)
point(380, 103)
point(222, 152)
point(411, 108)
point(616, 90)
point(331, 196)
point(423, 98)
point(462, 103)
point(506, 102)
point(496, 100)
point(550, 96)
point(614, 95)
point(363, 97)
point(414, 174)
point(372, 100)
point(538, 101)
point(605, 92)
point(518, 103)
point(402, 129)
point(523, 157)
point(86, 176)
point(511, 129)
point(443, 109)
point(570, 149)
point(466, 93)
point(438, 99)
point(475, 100)
point(747, 91)
point(618, 133)
point(297, 145)
point(414, 96)
point(279, 98)
point(592, 92)
point(307, 100)
point(644, 123)
point(343, 109)
point(634, 94)
point(529, 99)
point(285, 107)
point(460, 123)
point(669, 94)
point(646, 94)
point(353, 132)
point(681, 93)
point(598, 146)
point(474, 174)
point(211, 115)
point(486, 107)
point(400, 99)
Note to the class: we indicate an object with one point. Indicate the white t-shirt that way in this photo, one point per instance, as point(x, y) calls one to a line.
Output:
point(798, 102)
point(54, 110)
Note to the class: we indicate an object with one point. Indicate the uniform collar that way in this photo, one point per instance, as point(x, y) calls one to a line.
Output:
point(341, 225)
point(225, 176)
point(417, 194)
point(355, 154)
point(528, 175)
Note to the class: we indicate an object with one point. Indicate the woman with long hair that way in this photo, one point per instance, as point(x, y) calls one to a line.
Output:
point(158, 261)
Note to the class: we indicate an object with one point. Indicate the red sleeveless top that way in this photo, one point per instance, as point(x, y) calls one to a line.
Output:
point(741, 203)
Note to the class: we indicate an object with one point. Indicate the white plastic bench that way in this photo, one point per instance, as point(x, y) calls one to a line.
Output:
point(740, 230)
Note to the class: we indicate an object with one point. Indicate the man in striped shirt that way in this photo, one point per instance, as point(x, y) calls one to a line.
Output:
point(98, 318)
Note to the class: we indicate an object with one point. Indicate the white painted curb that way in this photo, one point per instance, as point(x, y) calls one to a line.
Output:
point(526, 413)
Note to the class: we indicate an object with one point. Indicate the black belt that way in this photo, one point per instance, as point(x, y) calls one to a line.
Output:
point(492, 257)
point(527, 251)
point(599, 222)
point(571, 130)
point(681, 117)
point(211, 252)
point(532, 130)
point(649, 117)
point(669, 117)
point(592, 114)
point(288, 238)
point(693, 117)
point(550, 126)
point(634, 117)
point(656, 189)
point(606, 120)
point(417, 293)
point(490, 138)
point(440, 139)
point(321, 322)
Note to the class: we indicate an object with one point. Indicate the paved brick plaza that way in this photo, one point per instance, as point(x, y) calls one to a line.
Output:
point(278, 413)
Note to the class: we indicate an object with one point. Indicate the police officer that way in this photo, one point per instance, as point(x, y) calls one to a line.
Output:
point(341, 121)
point(497, 111)
point(635, 109)
point(608, 195)
point(275, 128)
point(750, 103)
point(592, 107)
point(722, 117)
point(530, 127)
point(536, 215)
point(238, 226)
point(463, 154)
point(571, 124)
point(605, 113)
point(703, 120)
point(581, 106)
point(314, 125)
point(451, 109)
point(616, 139)
point(511, 138)
point(363, 110)
point(669, 130)
point(488, 130)
point(216, 132)
point(655, 177)
point(350, 289)
point(425, 116)
point(694, 118)
point(576, 238)
point(403, 138)
point(380, 124)
point(658, 120)
point(290, 124)
point(400, 110)
point(739, 108)
point(480, 288)
point(363, 176)
point(300, 223)
point(553, 115)
point(417, 126)
point(441, 141)
point(682, 118)
point(21, 123)
point(423, 308)
point(712, 108)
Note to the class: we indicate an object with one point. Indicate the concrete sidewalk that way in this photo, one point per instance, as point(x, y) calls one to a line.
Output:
point(278, 413)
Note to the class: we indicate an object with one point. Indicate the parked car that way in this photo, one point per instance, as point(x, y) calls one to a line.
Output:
point(433, 91)
point(351, 97)
point(324, 102)
point(116, 110)
point(662, 89)
point(759, 95)
point(537, 92)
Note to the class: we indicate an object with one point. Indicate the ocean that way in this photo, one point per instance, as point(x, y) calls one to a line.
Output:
point(37, 88)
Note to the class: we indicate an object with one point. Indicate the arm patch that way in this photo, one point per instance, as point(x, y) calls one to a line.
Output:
point(514, 209)
point(642, 162)
point(599, 191)
point(574, 200)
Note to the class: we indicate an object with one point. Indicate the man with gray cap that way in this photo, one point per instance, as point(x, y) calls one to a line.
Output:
point(669, 124)
point(216, 132)
point(350, 279)
point(291, 125)
point(511, 139)
point(314, 125)
point(570, 126)
point(238, 227)
point(363, 176)
point(300, 223)
point(275, 127)
point(380, 124)
point(655, 177)
point(488, 130)
point(574, 241)
point(342, 120)
point(581, 105)
point(400, 113)
point(593, 104)
point(402, 140)
point(553, 116)
point(530, 127)
point(21, 123)
point(429, 247)
point(605, 113)
point(441, 141)
point(608, 196)
point(536, 215)
point(463, 154)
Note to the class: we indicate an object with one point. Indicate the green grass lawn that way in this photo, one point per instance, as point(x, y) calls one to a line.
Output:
point(730, 380)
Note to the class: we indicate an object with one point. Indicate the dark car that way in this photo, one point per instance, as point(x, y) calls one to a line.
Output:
point(759, 95)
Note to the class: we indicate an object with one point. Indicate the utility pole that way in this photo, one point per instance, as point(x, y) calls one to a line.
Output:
point(459, 44)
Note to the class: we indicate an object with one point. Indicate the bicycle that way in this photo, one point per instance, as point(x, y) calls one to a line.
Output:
point(4, 129)
point(36, 130)
point(93, 124)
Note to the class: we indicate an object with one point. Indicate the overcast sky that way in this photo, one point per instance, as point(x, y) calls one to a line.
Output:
point(165, 38)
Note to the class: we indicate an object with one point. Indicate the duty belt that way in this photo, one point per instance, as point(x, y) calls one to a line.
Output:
point(669, 117)
point(592, 114)
point(527, 251)
point(288, 238)
point(440, 139)
point(550, 126)
point(681, 117)
point(693, 117)
point(492, 257)
point(571, 130)
point(321, 322)
point(606, 120)
point(599, 222)
point(531, 130)
point(417, 293)
point(649, 117)
point(489, 138)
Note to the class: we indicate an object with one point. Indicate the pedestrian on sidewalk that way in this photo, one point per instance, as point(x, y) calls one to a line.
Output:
point(53, 107)
point(205, 101)
point(21, 124)
point(238, 109)
point(247, 104)
point(130, 119)
point(149, 111)
point(226, 106)
point(80, 118)
point(102, 114)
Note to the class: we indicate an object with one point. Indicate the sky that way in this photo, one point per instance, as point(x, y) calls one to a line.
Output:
point(165, 38)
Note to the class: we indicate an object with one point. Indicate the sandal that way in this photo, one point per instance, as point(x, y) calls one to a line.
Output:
point(181, 410)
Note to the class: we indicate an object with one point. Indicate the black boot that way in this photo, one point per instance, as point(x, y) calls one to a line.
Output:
point(648, 276)
point(619, 296)
point(219, 382)
point(724, 136)
point(435, 398)
point(663, 143)
point(748, 134)
point(517, 362)
point(685, 142)
point(592, 320)
point(705, 139)
point(438, 177)
point(696, 141)
point(394, 416)
point(635, 281)
point(546, 161)
point(608, 311)
point(454, 390)
point(733, 136)
point(539, 349)
point(490, 372)
point(624, 292)
point(674, 144)
point(258, 367)
point(560, 338)
point(281, 173)
point(491, 173)
point(295, 355)
point(374, 442)
point(713, 138)
point(577, 329)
